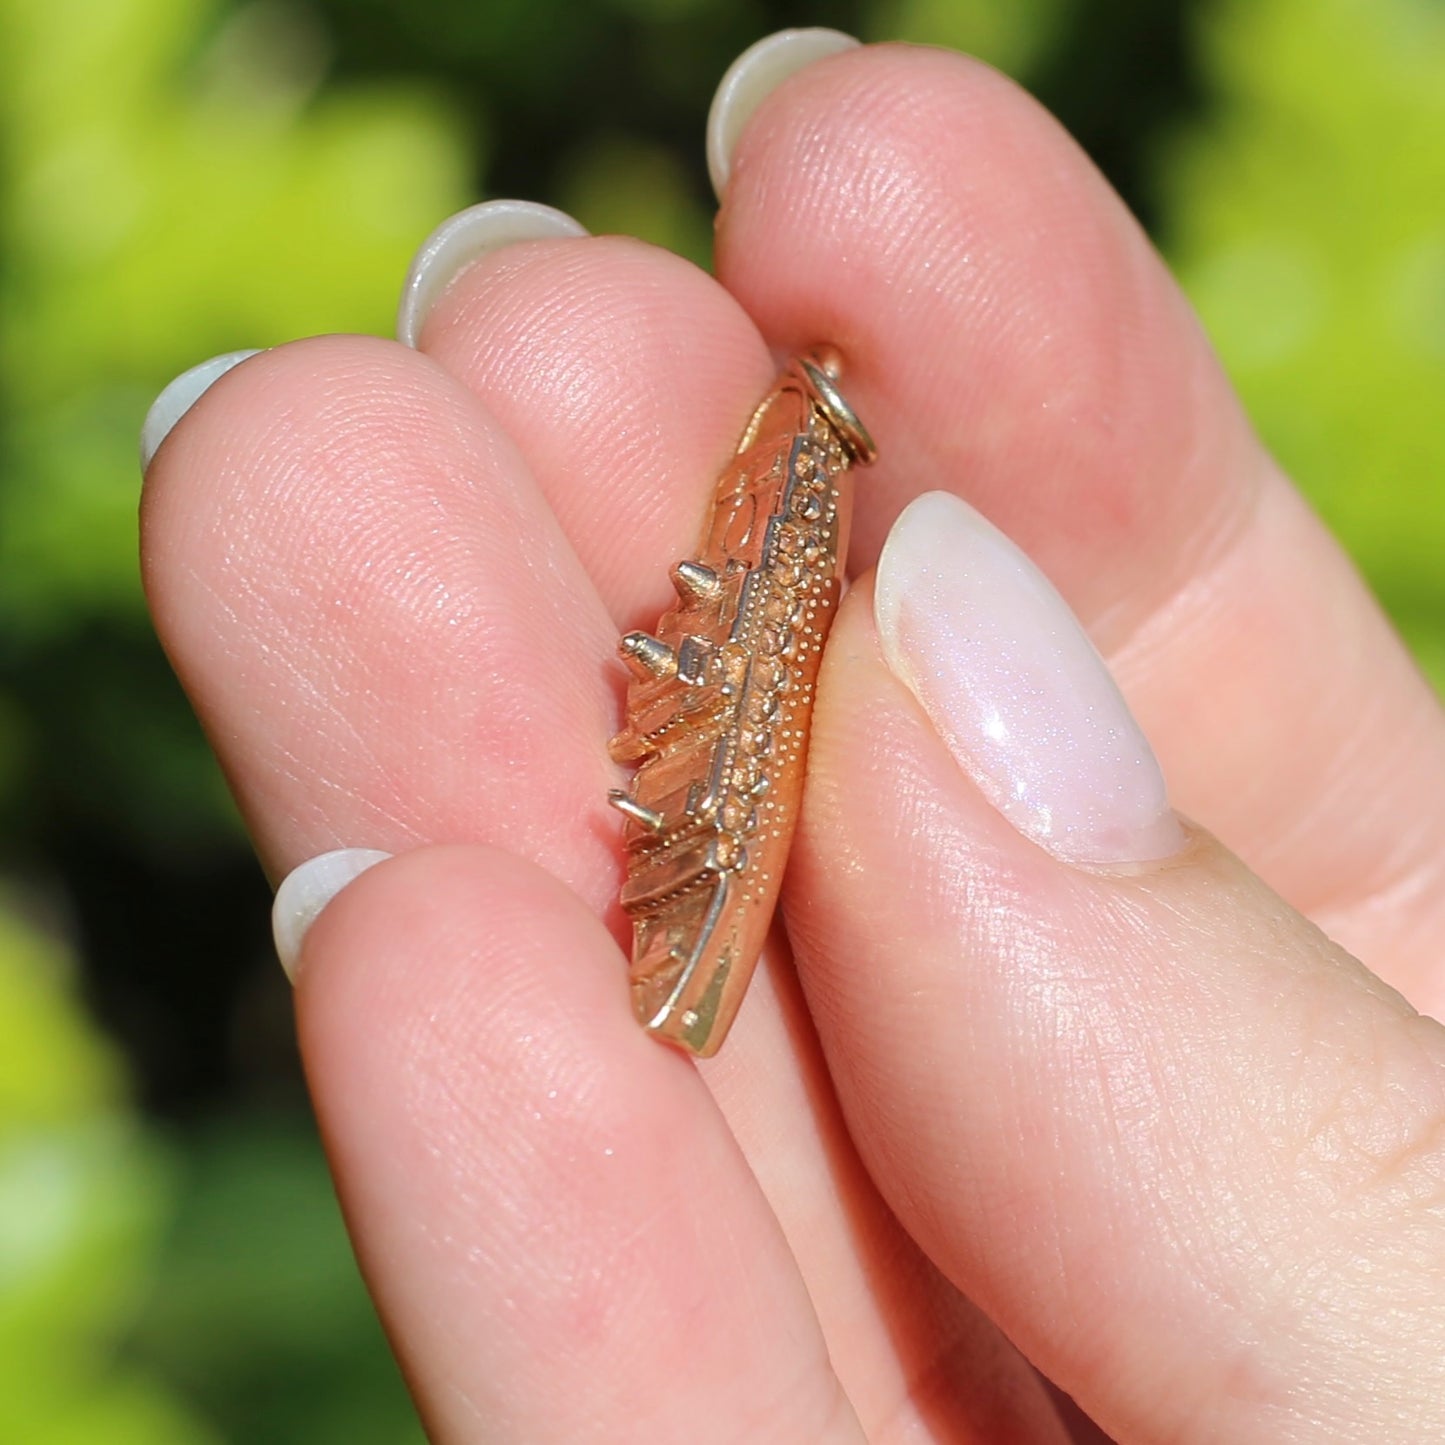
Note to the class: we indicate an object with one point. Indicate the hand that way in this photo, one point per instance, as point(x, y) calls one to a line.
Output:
point(1061, 1071)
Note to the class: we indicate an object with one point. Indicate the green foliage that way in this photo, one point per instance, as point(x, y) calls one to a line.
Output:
point(1306, 221)
point(175, 187)
point(220, 1266)
point(258, 1312)
point(173, 183)
point(1014, 35)
point(82, 1196)
point(620, 185)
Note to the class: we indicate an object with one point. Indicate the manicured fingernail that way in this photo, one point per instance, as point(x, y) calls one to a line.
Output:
point(306, 890)
point(1016, 689)
point(464, 238)
point(750, 79)
point(179, 397)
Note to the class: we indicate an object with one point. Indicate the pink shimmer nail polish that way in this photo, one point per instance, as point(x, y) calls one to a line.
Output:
point(1016, 689)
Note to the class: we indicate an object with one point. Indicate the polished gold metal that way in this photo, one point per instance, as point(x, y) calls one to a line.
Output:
point(647, 656)
point(720, 703)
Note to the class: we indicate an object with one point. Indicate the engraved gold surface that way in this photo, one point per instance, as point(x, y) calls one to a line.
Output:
point(719, 705)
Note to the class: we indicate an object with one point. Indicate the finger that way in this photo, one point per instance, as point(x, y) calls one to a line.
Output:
point(1012, 336)
point(376, 617)
point(626, 375)
point(563, 1240)
point(1180, 1146)
point(389, 642)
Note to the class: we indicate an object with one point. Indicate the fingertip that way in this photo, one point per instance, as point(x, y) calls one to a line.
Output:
point(521, 1167)
point(307, 890)
point(1005, 318)
point(626, 375)
point(465, 238)
point(179, 396)
point(751, 78)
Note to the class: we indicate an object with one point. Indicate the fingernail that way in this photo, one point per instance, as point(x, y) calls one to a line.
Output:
point(750, 79)
point(464, 238)
point(1016, 689)
point(306, 890)
point(179, 397)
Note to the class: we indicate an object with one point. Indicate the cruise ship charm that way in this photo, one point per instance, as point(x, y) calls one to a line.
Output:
point(719, 705)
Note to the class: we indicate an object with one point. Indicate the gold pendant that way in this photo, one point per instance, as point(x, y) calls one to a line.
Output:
point(720, 703)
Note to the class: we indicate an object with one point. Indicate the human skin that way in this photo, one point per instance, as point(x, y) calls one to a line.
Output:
point(1145, 1128)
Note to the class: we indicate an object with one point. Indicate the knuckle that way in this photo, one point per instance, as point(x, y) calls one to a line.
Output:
point(1378, 1135)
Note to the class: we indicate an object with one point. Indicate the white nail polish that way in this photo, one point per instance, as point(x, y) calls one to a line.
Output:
point(179, 397)
point(1016, 689)
point(307, 889)
point(464, 238)
point(750, 79)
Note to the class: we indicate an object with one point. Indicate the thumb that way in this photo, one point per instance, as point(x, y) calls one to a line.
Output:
point(1184, 1150)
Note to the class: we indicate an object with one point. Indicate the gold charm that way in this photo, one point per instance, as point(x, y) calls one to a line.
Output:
point(720, 703)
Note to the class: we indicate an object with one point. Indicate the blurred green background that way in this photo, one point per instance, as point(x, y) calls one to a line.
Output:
point(183, 177)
